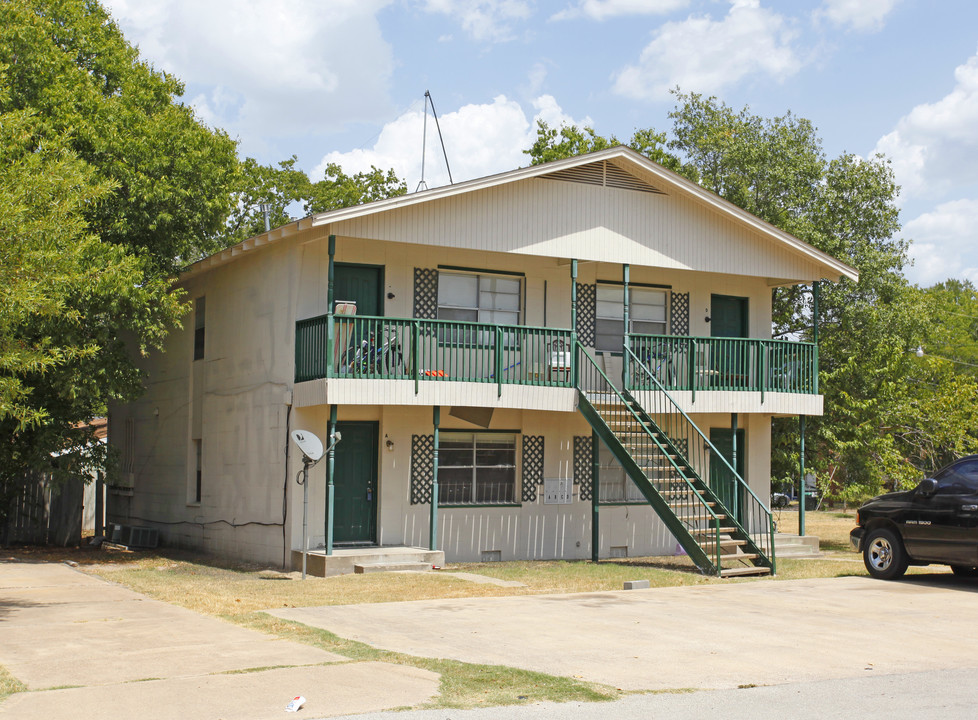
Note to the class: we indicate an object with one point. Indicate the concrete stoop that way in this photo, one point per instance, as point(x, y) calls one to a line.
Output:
point(348, 560)
point(787, 545)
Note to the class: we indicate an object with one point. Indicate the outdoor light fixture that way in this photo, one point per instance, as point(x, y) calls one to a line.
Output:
point(388, 443)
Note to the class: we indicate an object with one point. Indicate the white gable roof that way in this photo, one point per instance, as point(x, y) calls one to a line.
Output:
point(618, 167)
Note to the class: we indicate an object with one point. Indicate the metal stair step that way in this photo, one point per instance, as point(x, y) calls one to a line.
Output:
point(704, 531)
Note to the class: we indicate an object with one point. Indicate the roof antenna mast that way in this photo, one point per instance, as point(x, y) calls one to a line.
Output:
point(427, 100)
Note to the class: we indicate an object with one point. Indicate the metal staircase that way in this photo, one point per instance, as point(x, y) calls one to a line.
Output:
point(725, 531)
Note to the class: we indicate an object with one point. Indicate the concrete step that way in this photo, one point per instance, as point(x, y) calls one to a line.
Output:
point(362, 568)
point(345, 559)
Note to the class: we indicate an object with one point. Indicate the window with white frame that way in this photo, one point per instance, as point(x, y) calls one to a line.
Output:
point(614, 486)
point(647, 313)
point(476, 468)
point(479, 298)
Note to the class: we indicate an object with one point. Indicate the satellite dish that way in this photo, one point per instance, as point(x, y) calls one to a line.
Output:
point(310, 445)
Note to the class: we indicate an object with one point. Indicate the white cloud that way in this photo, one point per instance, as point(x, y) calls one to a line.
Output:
point(935, 148)
point(703, 55)
point(480, 140)
point(862, 15)
point(944, 243)
point(484, 20)
point(281, 68)
point(604, 9)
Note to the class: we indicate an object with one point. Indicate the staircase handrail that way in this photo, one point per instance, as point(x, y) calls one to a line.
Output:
point(702, 502)
point(633, 358)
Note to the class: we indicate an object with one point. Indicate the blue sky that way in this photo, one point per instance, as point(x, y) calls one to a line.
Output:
point(343, 81)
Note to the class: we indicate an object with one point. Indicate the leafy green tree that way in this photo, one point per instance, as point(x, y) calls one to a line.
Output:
point(170, 176)
point(279, 187)
point(66, 301)
point(339, 190)
point(108, 185)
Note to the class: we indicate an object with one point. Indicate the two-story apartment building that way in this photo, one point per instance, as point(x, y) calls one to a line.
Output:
point(570, 360)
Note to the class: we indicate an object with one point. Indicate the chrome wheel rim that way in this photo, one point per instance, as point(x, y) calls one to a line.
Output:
point(880, 553)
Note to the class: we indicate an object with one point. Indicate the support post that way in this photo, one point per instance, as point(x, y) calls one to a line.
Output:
point(733, 462)
point(330, 324)
point(816, 295)
point(595, 492)
point(433, 520)
point(330, 488)
point(624, 354)
point(801, 481)
point(573, 322)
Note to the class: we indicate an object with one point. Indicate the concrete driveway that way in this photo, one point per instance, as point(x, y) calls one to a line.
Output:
point(718, 636)
point(87, 648)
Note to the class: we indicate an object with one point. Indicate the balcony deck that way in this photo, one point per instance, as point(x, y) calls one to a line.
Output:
point(400, 361)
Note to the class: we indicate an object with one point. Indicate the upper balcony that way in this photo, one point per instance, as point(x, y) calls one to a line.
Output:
point(401, 361)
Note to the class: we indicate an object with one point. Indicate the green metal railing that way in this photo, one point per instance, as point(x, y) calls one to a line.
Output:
point(708, 363)
point(441, 350)
point(432, 350)
point(650, 459)
point(744, 510)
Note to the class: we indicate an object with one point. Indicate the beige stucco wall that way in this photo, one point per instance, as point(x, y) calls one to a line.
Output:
point(236, 400)
point(533, 530)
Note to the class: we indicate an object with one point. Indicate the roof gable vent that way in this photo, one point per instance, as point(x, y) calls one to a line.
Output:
point(603, 174)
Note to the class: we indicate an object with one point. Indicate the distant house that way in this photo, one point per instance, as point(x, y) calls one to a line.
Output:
point(570, 360)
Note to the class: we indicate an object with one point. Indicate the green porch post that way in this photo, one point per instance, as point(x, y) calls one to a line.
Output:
point(330, 325)
point(330, 488)
point(433, 520)
point(801, 481)
point(624, 354)
point(816, 295)
point(573, 322)
point(733, 462)
point(595, 490)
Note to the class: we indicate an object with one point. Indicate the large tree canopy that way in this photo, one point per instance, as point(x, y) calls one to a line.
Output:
point(169, 175)
point(875, 428)
point(108, 184)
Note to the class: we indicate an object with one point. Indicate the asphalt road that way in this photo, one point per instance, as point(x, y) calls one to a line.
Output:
point(931, 695)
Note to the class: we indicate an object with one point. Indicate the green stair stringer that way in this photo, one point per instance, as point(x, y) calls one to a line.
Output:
point(659, 504)
point(680, 422)
point(763, 560)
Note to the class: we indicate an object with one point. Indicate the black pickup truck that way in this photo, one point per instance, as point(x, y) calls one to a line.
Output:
point(936, 522)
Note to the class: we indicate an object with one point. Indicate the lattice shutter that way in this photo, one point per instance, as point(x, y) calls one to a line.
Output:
point(425, 293)
point(679, 313)
point(586, 308)
point(532, 466)
point(582, 465)
point(422, 468)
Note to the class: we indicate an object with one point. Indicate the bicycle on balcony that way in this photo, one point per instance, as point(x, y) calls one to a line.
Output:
point(373, 359)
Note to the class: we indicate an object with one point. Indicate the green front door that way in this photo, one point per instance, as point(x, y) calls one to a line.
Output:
point(362, 284)
point(721, 480)
point(728, 316)
point(729, 360)
point(355, 483)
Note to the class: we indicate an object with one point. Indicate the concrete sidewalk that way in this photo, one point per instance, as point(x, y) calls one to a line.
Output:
point(716, 636)
point(87, 648)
